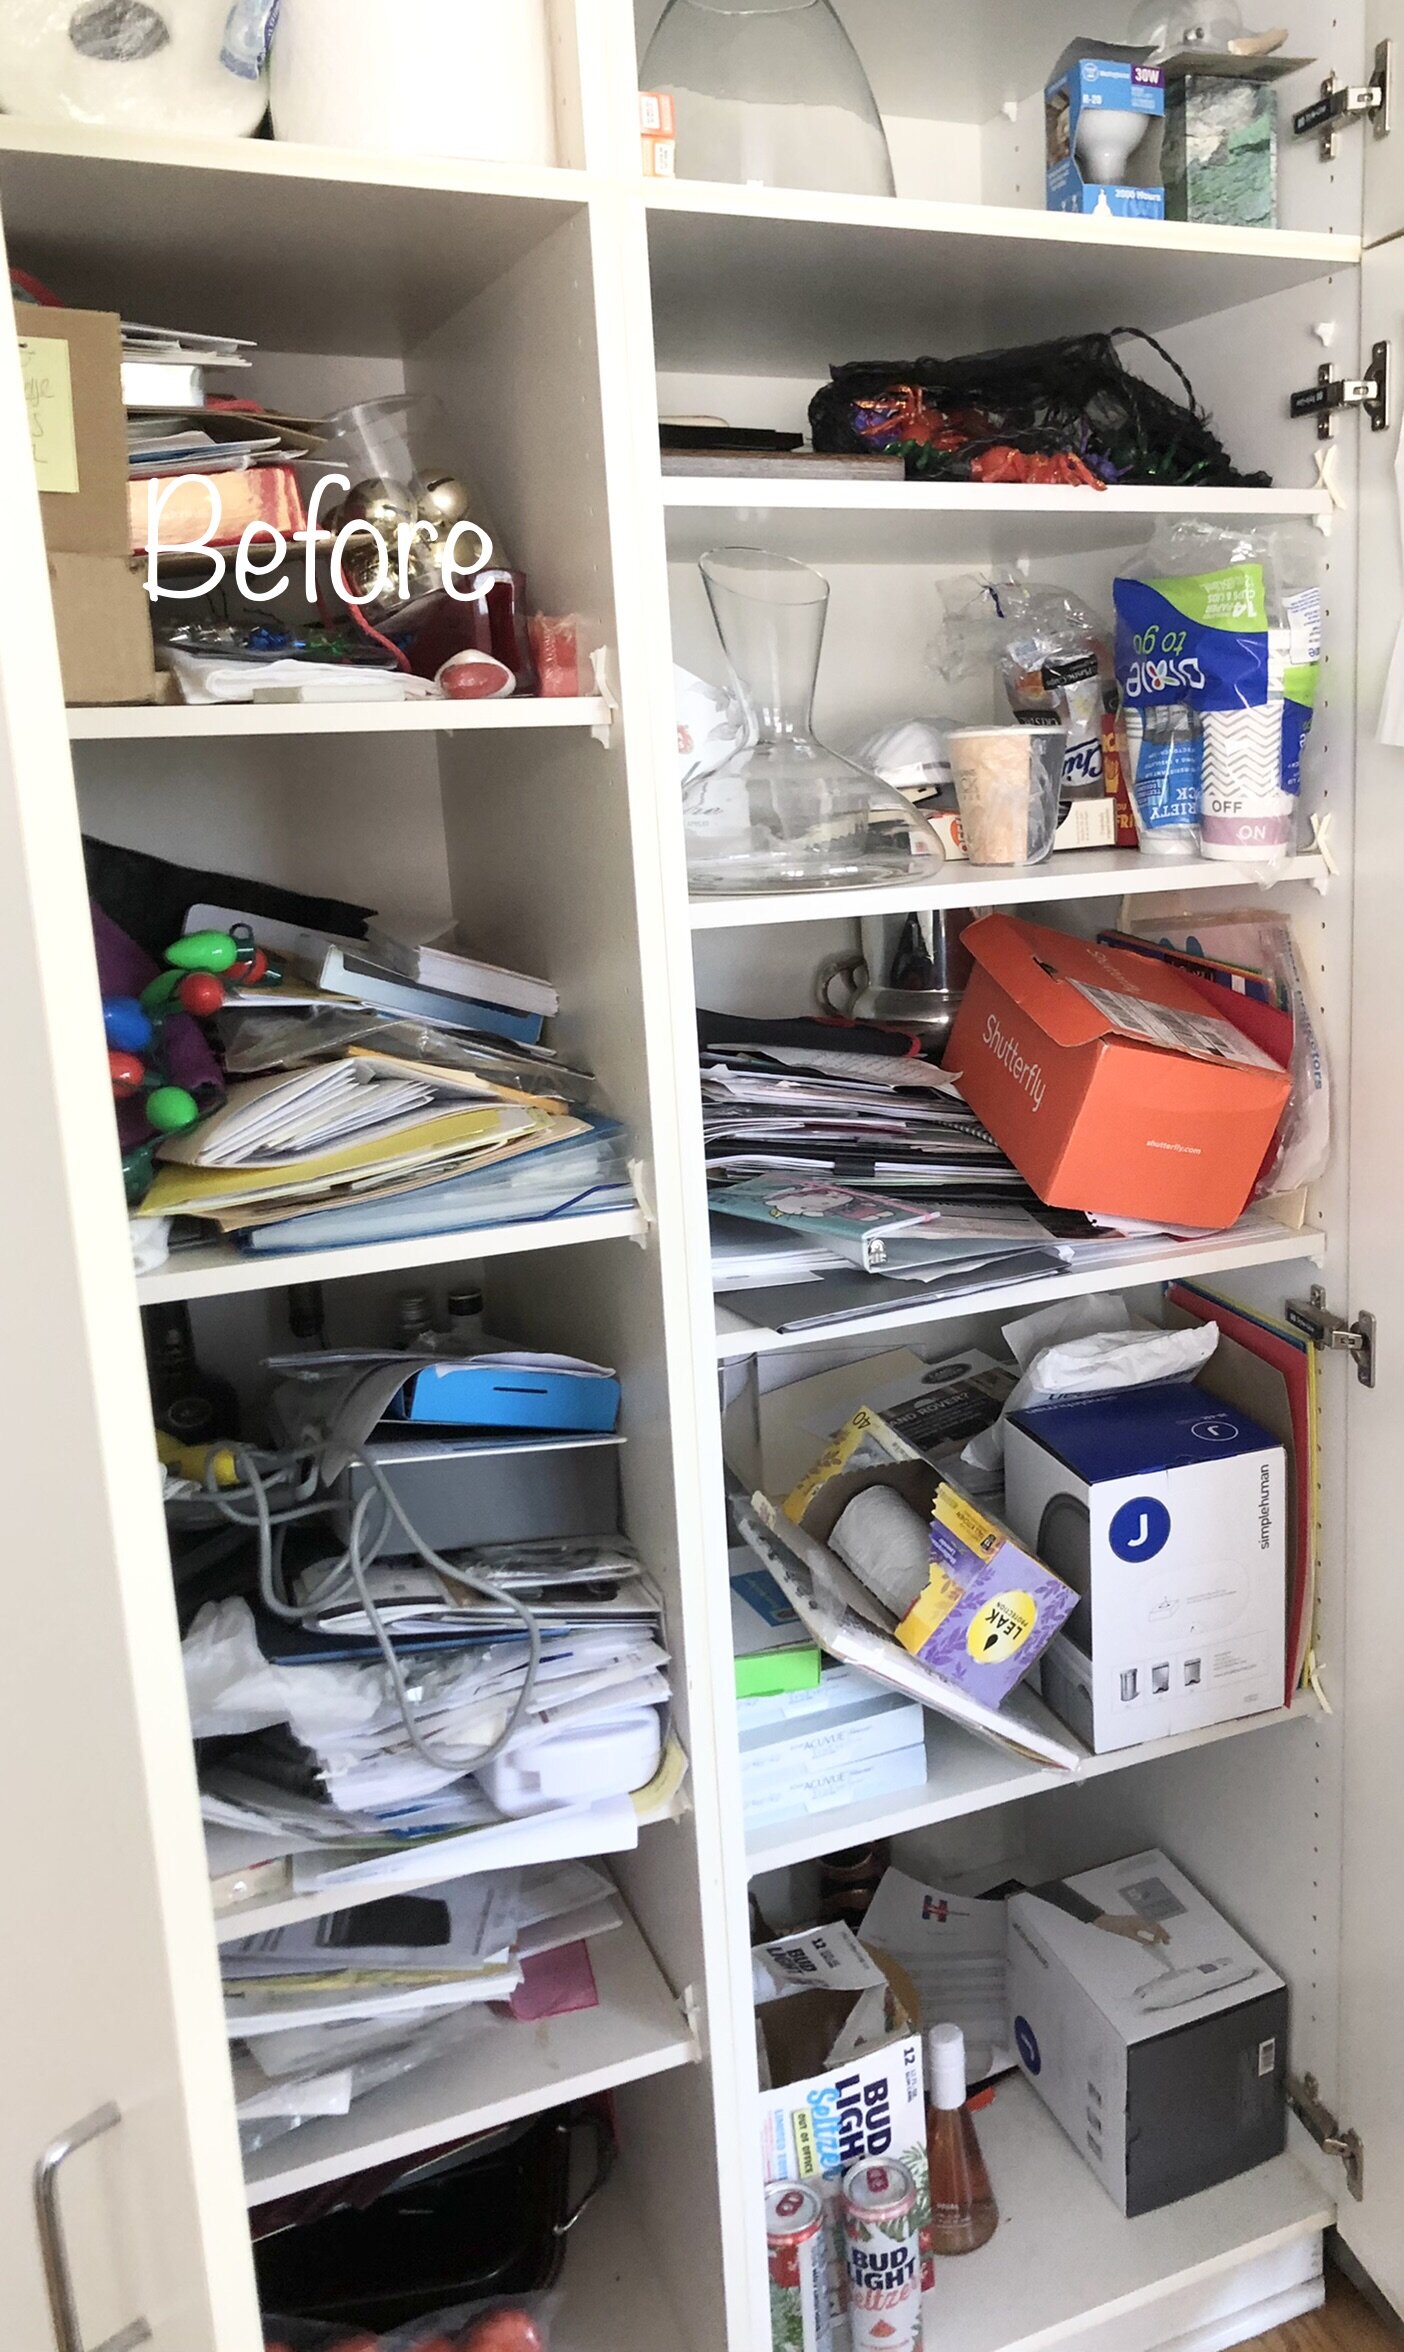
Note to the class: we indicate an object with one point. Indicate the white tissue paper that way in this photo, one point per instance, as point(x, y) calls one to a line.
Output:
point(195, 66)
point(1083, 1347)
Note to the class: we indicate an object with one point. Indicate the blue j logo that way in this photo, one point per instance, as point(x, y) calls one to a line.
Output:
point(1140, 1529)
point(1026, 2043)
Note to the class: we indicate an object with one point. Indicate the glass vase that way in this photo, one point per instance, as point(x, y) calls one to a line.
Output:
point(770, 94)
point(786, 812)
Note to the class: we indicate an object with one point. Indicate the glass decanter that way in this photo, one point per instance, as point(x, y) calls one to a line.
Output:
point(786, 812)
point(769, 93)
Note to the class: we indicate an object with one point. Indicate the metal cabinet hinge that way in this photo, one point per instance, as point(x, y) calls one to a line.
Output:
point(1341, 103)
point(1330, 392)
point(1333, 1334)
point(1305, 2100)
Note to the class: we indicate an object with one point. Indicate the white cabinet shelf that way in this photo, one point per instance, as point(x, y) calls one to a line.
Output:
point(218, 1270)
point(809, 279)
point(944, 522)
point(255, 721)
point(1184, 1262)
point(967, 1775)
point(1063, 2260)
point(1072, 874)
point(502, 2071)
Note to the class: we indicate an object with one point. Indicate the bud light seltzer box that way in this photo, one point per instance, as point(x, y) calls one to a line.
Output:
point(841, 2074)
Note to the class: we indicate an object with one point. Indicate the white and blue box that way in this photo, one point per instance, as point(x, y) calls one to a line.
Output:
point(1104, 165)
point(1166, 1510)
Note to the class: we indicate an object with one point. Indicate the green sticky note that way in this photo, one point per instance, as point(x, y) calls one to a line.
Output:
point(773, 1672)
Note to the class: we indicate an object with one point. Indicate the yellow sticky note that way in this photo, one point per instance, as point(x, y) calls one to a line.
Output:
point(48, 392)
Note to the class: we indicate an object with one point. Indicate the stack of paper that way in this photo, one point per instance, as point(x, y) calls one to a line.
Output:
point(164, 367)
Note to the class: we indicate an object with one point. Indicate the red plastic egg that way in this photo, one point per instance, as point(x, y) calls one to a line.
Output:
point(127, 1074)
point(201, 994)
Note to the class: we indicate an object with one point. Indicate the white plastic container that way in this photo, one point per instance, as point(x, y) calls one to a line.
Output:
point(610, 1757)
point(138, 65)
point(470, 78)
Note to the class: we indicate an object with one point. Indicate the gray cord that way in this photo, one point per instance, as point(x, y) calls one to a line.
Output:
point(260, 1475)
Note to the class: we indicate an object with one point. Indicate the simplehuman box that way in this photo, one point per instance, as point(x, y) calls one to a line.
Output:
point(1149, 2028)
point(1166, 1510)
point(1104, 111)
point(840, 2060)
point(1106, 1081)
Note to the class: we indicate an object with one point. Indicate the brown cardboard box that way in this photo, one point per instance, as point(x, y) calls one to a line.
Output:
point(103, 622)
point(72, 362)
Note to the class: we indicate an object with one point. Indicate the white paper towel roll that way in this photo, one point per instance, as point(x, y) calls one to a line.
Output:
point(887, 1545)
point(138, 65)
point(424, 77)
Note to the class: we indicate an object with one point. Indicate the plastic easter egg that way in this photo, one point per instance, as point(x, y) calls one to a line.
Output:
point(203, 951)
point(200, 993)
point(171, 1110)
point(126, 1073)
point(125, 1025)
point(158, 992)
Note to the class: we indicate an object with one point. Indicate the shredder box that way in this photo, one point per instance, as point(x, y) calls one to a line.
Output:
point(1165, 2061)
point(1107, 1082)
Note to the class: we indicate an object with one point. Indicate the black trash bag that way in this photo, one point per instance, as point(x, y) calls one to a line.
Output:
point(974, 418)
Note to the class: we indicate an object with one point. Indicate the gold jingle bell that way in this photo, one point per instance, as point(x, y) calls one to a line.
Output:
point(445, 501)
point(383, 505)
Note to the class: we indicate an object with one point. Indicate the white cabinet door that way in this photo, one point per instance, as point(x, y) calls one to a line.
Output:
point(108, 1976)
point(1371, 2093)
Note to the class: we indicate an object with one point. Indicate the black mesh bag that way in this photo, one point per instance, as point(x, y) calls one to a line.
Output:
point(1069, 410)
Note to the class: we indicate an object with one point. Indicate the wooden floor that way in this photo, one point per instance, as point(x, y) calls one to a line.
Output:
point(1346, 2325)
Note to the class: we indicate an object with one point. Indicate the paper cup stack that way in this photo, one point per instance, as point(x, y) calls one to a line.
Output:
point(1007, 782)
point(1246, 817)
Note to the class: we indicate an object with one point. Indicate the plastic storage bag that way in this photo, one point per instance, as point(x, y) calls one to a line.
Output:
point(137, 65)
point(1218, 657)
point(1083, 1347)
point(520, 2326)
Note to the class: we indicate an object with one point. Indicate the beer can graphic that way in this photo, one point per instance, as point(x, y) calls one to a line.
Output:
point(797, 2248)
point(882, 2252)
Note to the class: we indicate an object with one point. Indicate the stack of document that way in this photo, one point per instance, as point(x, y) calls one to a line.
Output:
point(847, 1184)
point(214, 439)
point(333, 2007)
point(363, 1106)
point(164, 367)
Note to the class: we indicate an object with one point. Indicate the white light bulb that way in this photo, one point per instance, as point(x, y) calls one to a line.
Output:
point(1107, 138)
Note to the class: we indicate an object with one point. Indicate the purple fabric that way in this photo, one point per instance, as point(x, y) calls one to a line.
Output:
point(124, 969)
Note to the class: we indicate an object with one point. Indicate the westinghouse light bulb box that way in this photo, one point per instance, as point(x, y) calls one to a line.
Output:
point(1107, 1080)
point(1153, 2033)
point(1166, 1510)
point(1105, 115)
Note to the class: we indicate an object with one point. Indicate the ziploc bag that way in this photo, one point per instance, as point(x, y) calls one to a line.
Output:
point(1218, 658)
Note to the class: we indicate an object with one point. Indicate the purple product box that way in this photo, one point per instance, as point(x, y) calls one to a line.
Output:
point(990, 1608)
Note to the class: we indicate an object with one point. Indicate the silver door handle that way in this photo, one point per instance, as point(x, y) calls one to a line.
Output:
point(58, 2274)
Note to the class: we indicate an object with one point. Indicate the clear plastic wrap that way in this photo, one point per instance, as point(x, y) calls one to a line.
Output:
point(334, 2067)
point(520, 2323)
point(1054, 657)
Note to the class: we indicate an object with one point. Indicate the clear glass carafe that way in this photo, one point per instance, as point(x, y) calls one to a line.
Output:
point(786, 812)
point(769, 94)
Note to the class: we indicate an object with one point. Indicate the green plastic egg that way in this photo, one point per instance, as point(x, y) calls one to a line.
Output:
point(171, 1110)
point(204, 951)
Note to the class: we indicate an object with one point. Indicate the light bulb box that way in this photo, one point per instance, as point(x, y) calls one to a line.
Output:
point(1166, 1510)
point(1094, 78)
point(1151, 2031)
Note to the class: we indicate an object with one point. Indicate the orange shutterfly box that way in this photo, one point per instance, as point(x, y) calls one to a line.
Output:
point(1100, 1075)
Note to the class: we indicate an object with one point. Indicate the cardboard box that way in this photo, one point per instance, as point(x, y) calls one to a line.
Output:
point(1101, 1077)
point(1093, 77)
point(1167, 1512)
point(1221, 151)
point(1164, 2061)
point(72, 366)
point(988, 1609)
point(1089, 824)
point(841, 2070)
point(103, 623)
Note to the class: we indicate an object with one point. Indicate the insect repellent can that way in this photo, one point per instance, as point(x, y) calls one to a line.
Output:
point(797, 2246)
point(882, 2251)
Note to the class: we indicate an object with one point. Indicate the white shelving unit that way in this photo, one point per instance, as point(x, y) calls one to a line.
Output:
point(556, 311)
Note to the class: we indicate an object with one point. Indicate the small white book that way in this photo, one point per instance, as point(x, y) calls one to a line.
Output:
point(436, 960)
